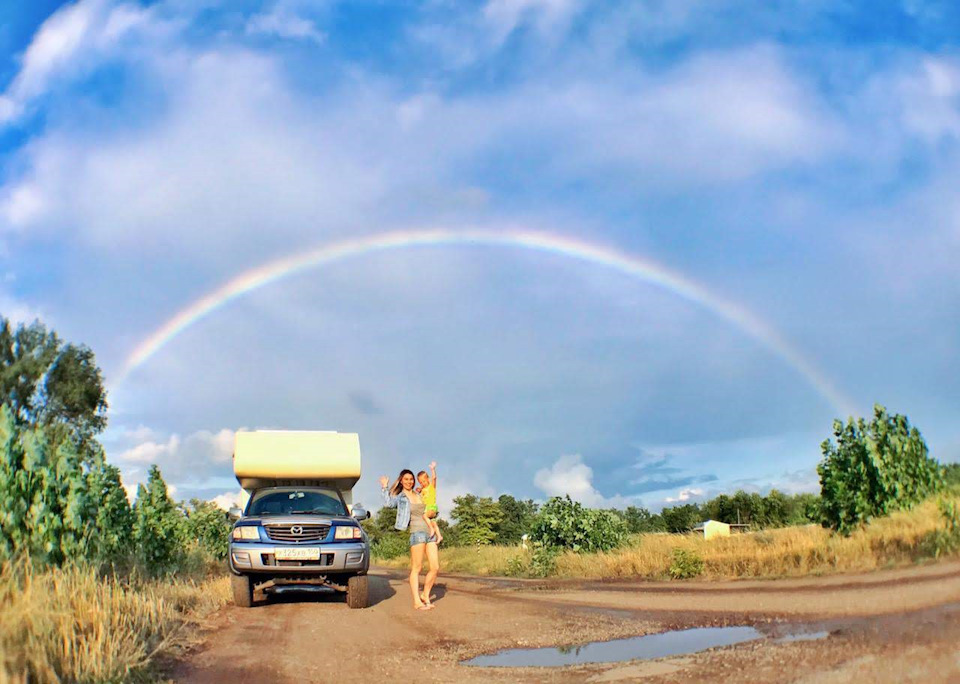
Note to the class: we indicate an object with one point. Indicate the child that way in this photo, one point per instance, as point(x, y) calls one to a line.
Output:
point(428, 492)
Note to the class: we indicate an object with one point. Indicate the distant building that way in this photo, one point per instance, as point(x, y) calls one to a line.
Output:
point(714, 528)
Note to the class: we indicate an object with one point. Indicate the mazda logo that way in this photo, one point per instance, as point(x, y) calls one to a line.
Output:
point(296, 529)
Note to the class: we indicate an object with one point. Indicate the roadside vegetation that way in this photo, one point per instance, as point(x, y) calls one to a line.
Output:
point(92, 588)
point(77, 624)
point(883, 503)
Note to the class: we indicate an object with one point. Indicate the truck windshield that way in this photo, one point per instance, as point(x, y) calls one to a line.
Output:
point(296, 500)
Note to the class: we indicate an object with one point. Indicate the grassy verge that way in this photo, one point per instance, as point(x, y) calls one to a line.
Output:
point(902, 538)
point(75, 625)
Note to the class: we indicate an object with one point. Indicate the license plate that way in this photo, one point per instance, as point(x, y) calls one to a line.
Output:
point(297, 554)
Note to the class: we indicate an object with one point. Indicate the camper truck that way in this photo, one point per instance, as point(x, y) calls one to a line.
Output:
point(300, 529)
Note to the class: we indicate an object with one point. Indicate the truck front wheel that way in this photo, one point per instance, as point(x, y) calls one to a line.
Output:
point(357, 589)
point(242, 590)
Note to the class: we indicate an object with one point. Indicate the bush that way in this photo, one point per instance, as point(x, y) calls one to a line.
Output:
point(946, 541)
point(686, 564)
point(564, 523)
point(542, 562)
point(207, 527)
point(518, 566)
point(874, 469)
point(391, 545)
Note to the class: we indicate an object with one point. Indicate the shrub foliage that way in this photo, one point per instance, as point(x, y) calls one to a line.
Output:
point(685, 564)
point(564, 523)
point(874, 468)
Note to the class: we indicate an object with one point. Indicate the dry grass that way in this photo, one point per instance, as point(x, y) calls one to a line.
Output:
point(73, 625)
point(790, 552)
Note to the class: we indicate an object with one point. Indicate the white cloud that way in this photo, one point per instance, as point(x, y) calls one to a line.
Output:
point(18, 311)
point(685, 495)
point(928, 97)
point(228, 500)
point(228, 159)
point(239, 158)
point(151, 452)
point(569, 475)
point(548, 16)
point(191, 459)
point(22, 204)
point(62, 43)
point(282, 23)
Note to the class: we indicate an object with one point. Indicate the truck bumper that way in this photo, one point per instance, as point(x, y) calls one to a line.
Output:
point(334, 559)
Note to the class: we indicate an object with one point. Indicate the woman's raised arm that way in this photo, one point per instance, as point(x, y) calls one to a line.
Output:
point(388, 501)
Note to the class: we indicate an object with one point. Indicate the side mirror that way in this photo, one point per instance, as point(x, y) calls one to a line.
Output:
point(234, 513)
point(360, 513)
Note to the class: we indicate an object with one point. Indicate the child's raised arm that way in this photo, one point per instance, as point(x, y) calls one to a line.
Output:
point(433, 473)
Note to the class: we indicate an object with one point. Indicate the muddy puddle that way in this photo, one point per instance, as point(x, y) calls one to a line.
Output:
point(676, 642)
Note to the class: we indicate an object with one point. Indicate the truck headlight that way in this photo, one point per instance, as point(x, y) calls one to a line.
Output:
point(246, 532)
point(347, 532)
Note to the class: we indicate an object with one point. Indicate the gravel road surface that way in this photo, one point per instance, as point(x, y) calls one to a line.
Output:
point(888, 626)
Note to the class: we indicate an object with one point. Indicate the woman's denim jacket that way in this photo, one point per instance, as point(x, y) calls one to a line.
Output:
point(402, 503)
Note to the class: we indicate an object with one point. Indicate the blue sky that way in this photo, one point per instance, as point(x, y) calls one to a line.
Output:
point(797, 158)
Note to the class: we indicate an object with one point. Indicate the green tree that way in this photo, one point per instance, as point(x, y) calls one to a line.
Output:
point(874, 468)
point(477, 518)
point(158, 526)
point(641, 520)
point(517, 520)
point(681, 518)
point(113, 527)
point(47, 383)
point(806, 509)
point(44, 502)
point(207, 527)
point(720, 508)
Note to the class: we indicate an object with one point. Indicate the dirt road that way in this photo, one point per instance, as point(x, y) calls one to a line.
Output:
point(891, 626)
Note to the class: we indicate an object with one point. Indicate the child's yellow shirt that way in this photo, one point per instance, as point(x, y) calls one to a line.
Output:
point(429, 496)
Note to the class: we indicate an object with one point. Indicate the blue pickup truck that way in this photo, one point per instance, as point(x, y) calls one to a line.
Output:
point(299, 538)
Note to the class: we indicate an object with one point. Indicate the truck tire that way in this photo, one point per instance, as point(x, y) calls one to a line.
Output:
point(357, 589)
point(242, 590)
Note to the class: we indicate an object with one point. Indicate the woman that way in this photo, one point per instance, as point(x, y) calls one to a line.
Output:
point(410, 506)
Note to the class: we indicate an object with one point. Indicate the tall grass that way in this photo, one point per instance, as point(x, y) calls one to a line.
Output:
point(899, 539)
point(76, 625)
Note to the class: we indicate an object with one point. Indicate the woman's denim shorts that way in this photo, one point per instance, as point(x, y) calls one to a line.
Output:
point(421, 538)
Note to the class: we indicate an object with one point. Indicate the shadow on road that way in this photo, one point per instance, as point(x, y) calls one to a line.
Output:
point(380, 590)
point(438, 592)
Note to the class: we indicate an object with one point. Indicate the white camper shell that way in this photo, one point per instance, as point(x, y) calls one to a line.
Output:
point(271, 458)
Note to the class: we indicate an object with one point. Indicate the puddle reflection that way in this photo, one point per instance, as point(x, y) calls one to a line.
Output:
point(677, 642)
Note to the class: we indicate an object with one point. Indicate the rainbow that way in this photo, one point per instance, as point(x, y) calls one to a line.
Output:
point(628, 264)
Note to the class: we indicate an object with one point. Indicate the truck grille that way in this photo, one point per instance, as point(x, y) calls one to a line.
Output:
point(297, 533)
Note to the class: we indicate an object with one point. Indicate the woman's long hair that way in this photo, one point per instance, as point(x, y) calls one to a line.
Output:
point(398, 485)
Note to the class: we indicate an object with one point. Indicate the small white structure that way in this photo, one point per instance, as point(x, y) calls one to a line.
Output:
point(713, 528)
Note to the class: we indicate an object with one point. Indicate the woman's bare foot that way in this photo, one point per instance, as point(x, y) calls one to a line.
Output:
point(423, 606)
